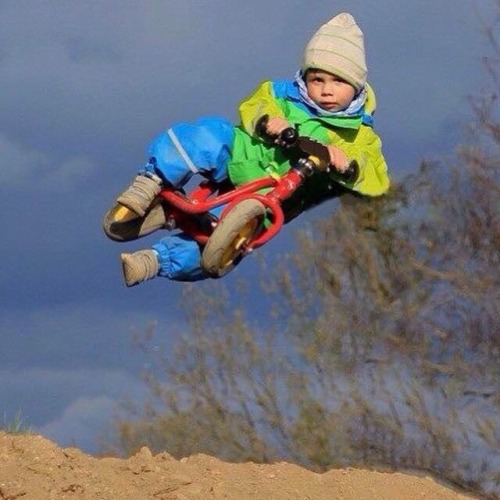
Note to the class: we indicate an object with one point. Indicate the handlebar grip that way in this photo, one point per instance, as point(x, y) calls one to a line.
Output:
point(352, 172)
point(286, 139)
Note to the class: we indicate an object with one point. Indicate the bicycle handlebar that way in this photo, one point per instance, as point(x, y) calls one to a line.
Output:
point(308, 148)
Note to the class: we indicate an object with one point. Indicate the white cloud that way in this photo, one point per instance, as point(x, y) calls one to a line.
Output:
point(22, 165)
point(68, 406)
point(17, 162)
point(81, 422)
point(69, 173)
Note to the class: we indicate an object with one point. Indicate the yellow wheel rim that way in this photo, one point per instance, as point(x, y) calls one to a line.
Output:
point(238, 244)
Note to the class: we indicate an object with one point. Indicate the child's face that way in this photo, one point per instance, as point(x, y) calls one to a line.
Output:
point(328, 91)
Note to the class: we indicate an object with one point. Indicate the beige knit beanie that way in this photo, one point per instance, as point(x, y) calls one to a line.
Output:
point(338, 47)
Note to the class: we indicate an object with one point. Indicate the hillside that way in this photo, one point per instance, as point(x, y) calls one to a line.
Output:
point(34, 468)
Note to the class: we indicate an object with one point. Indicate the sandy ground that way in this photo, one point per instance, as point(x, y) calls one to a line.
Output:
point(34, 468)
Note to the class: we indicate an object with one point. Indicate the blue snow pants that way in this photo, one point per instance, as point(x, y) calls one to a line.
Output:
point(202, 148)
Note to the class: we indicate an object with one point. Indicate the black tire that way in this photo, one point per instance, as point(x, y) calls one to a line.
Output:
point(226, 245)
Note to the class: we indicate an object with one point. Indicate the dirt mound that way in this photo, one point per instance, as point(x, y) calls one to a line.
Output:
point(34, 468)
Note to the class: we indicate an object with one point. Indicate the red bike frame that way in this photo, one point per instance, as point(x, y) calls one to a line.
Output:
point(182, 208)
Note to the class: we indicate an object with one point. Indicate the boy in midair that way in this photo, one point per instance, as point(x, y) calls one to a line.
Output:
point(329, 100)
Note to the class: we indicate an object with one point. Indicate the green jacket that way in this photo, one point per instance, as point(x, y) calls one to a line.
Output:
point(252, 159)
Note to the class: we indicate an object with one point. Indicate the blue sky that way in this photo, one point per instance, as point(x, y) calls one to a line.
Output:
point(86, 85)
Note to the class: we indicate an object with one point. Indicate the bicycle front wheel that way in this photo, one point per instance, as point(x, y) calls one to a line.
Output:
point(229, 241)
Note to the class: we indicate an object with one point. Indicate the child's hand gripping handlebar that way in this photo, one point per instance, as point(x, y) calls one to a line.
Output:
point(313, 152)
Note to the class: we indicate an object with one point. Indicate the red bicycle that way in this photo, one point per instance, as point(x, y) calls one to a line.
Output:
point(252, 212)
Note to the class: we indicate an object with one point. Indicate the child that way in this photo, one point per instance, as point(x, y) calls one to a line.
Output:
point(328, 100)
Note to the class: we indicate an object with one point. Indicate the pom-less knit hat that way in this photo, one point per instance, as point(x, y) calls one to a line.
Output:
point(338, 47)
